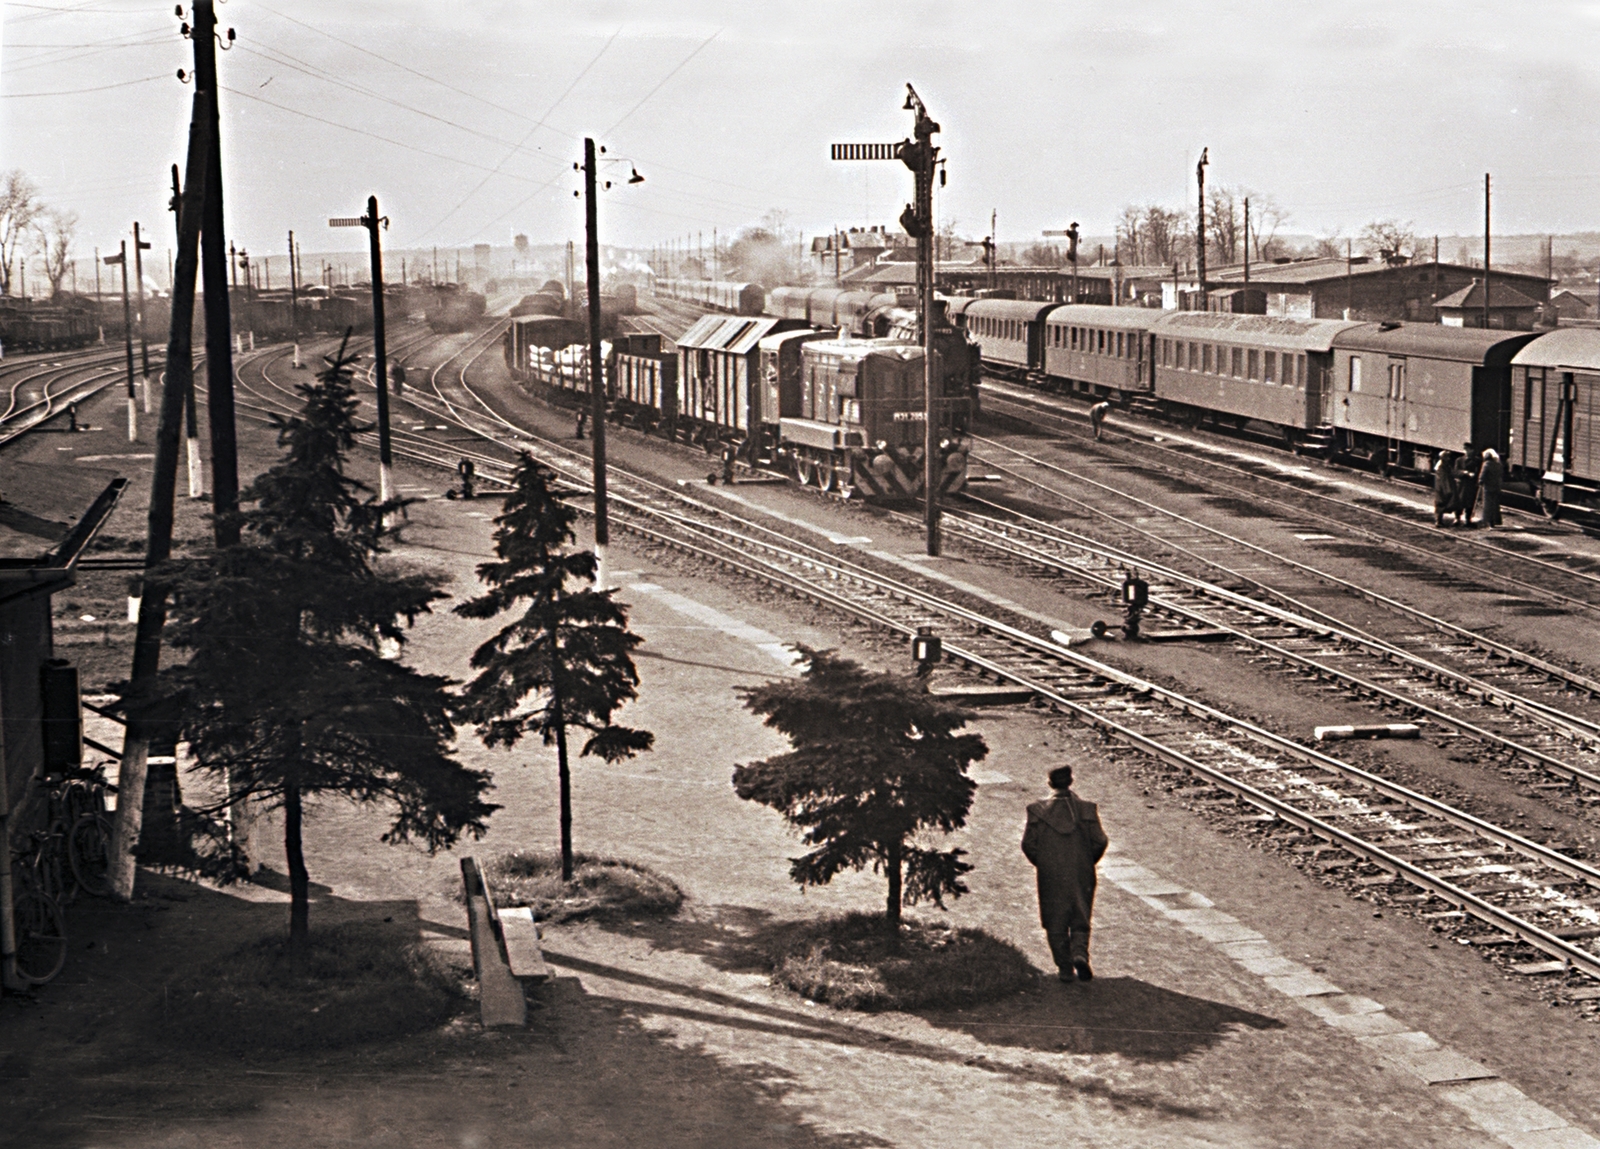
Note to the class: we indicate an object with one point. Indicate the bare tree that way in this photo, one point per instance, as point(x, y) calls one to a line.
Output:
point(1266, 217)
point(19, 207)
point(1130, 234)
point(1162, 238)
point(55, 240)
point(1330, 245)
point(1043, 255)
point(1223, 221)
point(1389, 240)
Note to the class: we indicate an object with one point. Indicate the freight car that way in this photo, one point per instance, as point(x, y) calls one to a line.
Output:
point(454, 308)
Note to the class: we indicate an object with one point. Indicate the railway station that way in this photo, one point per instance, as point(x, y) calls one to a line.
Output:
point(801, 628)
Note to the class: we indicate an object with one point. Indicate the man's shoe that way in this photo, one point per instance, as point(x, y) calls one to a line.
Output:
point(1081, 968)
point(1066, 975)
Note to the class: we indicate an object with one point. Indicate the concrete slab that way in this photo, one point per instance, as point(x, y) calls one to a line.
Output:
point(1408, 1041)
point(1500, 1108)
point(1303, 983)
point(1443, 1066)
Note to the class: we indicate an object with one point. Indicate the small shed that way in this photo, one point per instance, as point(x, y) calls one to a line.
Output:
point(1509, 309)
point(1570, 305)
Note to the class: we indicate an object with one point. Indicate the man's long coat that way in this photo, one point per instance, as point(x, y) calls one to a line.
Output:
point(1063, 840)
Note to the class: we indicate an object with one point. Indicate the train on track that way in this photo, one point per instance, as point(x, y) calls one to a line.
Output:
point(1390, 395)
point(837, 410)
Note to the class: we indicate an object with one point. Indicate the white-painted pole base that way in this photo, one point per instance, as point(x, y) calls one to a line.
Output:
point(252, 340)
point(133, 608)
point(146, 386)
point(238, 345)
point(602, 573)
point(133, 419)
point(197, 483)
point(385, 493)
point(297, 355)
point(102, 331)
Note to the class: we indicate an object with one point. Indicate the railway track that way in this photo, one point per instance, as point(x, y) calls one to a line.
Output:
point(1575, 586)
point(43, 388)
point(1366, 830)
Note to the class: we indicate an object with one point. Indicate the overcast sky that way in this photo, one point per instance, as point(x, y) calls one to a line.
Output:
point(465, 119)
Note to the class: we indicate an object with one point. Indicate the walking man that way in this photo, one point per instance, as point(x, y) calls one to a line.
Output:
point(1444, 487)
point(1064, 841)
point(1097, 417)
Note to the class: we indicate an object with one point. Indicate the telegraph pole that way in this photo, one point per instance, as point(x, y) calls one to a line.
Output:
point(1486, 251)
point(191, 416)
point(597, 369)
point(139, 246)
point(121, 260)
point(214, 276)
point(1200, 231)
point(1247, 241)
point(294, 292)
point(190, 209)
point(372, 222)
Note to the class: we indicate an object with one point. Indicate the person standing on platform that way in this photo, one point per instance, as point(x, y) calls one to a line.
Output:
point(1490, 477)
point(1466, 479)
point(1064, 841)
point(1444, 487)
point(583, 417)
point(1097, 417)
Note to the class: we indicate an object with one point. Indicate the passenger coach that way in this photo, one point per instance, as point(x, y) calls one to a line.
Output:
point(1009, 332)
point(1099, 350)
point(1553, 436)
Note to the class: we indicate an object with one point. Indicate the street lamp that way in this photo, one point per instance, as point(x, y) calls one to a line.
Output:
point(597, 373)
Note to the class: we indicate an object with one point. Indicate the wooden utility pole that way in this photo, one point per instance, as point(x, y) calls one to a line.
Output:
point(372, 222)
point(140, 246)
point(132, 778)
point(1486, 251)
point(1247, 241)
point(214, 282)
point(1200, 231)
point(121, 260)
point(597, 368)
point(920, 156)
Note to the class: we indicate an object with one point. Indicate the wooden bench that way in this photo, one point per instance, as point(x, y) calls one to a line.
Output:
point(505, 951)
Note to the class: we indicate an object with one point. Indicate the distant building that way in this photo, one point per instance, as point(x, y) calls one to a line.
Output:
point(1328, 288)
point(839, 252)
point(1569, 304)
point(1508, 308)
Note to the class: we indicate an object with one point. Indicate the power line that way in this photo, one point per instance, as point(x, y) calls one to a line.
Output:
point(525, 139)
point(664, 79)
point(79, 91)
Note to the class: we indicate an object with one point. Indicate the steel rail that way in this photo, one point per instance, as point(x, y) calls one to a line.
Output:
point(1410, 524)
point(739, 544)
point(962, 523)
point(1489, 645)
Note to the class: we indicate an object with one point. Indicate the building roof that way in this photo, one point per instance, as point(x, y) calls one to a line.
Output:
point(1573, 348)
point(1262, 330)
point(891, 275)
point(1501, 296)
point(736, 333)
point(1304, 272)
point(1570, 294)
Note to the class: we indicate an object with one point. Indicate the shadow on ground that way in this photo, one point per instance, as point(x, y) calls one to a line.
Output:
point(1120, 1015)
point(85, 1061)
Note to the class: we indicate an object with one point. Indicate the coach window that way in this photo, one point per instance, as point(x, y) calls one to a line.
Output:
point(1100, 342)
point(1269, 367)
point(1206, 363)
point(1254, 363)
point(1238, 363)
point(1355, 372)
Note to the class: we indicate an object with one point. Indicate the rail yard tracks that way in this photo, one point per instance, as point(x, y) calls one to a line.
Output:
point(42, 388)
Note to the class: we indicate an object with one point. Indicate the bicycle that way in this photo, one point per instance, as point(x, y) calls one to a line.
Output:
point(40, 927)
point(78, 821)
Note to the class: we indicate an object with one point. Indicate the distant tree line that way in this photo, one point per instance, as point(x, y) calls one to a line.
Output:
point(29, 226)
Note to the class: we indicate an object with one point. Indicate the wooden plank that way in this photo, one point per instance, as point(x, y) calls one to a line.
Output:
point(523, 952)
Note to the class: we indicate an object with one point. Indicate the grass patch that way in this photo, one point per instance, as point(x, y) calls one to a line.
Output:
point(363, 984)
point(601, 888)
point(848, 963)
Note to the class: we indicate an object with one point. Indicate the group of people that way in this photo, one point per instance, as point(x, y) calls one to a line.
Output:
point(1458, 480)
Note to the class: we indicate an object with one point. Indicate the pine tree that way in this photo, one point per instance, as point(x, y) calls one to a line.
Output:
point(876, 762)
point(286, 695)
point(566, 662)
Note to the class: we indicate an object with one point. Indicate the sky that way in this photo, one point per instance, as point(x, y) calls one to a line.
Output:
point(465, 120)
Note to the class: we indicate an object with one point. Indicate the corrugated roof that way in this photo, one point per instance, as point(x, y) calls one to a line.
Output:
point(747, 338)
point(1425, 340)
point(703, 327)
point(1260, 330)
point(1574, 348)
point(1500, 295)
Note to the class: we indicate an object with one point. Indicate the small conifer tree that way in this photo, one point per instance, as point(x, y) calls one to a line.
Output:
point(567, 660)
point(286, 694)
point(876, 761)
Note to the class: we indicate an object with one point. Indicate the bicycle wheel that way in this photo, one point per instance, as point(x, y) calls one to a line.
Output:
point(89, 854)
point(41, 930)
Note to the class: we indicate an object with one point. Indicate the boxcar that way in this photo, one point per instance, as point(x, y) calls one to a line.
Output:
point(1246, 367)
point(1554, 420)
point(1401, 387)
point(719, 361)
point(1009, 333)
point(1099, 350)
